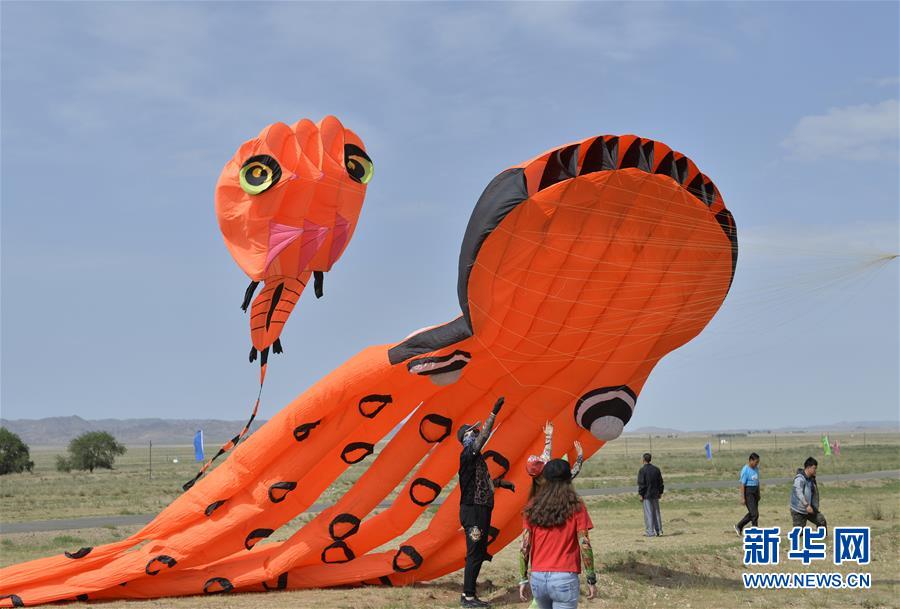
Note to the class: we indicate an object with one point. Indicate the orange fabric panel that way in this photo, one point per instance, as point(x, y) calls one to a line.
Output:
point(267, 318)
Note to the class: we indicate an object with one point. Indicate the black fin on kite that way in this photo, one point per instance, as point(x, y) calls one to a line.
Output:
point(276, 346)
point(248, 295)
point(273, 304)
point(252, 354)
point(319, 283)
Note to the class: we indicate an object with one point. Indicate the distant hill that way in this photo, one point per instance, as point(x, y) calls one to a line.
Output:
point(655, 431)
point(58, 431)
point(843, 426)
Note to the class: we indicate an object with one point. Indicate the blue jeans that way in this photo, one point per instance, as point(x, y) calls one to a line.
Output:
point(554, 590)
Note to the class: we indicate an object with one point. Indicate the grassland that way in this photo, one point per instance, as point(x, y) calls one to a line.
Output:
point(129, 488)
point(696, 565)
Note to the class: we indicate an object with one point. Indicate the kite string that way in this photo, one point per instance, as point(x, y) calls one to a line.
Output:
point(233, 442)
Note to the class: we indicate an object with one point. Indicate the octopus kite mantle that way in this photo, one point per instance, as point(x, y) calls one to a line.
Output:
point(578, 271)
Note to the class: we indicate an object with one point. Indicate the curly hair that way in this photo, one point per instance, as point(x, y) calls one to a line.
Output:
point(555, 502)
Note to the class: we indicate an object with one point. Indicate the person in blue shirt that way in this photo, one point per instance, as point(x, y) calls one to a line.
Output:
point(749, 493)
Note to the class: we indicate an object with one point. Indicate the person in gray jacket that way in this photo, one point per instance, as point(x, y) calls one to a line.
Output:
point(805, 496)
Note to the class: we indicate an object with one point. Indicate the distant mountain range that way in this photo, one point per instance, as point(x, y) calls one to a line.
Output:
point(57, 431)
point(814, 427)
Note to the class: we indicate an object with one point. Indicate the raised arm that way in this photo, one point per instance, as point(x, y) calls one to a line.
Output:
point(548, 442)
point(579, 460)
point(488, 426)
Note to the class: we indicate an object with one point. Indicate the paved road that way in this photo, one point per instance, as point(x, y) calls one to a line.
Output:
point(120, 521)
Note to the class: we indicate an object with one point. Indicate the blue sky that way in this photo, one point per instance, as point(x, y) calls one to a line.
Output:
point(120, 300)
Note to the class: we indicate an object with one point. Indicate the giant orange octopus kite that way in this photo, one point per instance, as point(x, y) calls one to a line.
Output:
point(578, 271)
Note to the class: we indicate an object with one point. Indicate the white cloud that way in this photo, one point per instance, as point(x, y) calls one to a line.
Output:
point(865, 132)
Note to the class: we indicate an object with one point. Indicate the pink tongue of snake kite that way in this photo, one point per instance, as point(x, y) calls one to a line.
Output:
point(579, 270)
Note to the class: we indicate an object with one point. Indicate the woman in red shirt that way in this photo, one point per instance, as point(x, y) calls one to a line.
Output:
point(556, 541)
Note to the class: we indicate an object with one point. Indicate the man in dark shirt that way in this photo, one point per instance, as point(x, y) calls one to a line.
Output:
point(650, 488)
point(476, 501)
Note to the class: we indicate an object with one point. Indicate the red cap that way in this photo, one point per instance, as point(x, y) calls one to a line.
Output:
point(534, 466)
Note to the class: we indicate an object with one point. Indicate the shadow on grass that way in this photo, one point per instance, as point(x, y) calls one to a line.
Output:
point(664, 577)
point(499, 595)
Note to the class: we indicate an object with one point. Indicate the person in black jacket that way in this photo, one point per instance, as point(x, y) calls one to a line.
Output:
point(476, 501)
point(650, 488)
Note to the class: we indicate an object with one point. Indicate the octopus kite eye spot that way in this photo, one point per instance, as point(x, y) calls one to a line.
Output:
point(501, 461)
point(407, 559)
point(80, 553)
point(255, 536)
point(605, 412)
point(356, 452)
point(336, 553)
point(153, 569)
point(359, 165)
point(442, 370)
point(423, 491)
point(371, 405)
point(301, 432)
point(217, 585)
point(433, 428)
point(212, 507)
point(343, 526)
point(259, 174)
point(280, 490)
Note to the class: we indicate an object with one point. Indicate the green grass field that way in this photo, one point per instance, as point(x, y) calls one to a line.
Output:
point(129, 489)
point(697, 564)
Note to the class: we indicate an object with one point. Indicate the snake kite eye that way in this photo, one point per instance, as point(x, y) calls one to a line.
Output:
point(259, 173)
point(359, 165)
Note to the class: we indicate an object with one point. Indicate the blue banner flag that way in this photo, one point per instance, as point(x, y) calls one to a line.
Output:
point(708, 451)
point(198, 445)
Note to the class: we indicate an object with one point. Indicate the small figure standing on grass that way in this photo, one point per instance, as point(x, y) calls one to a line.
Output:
point(805, 496)
point(556, 543)
point(650, 489)
point(476, 501)
point(749, 493)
